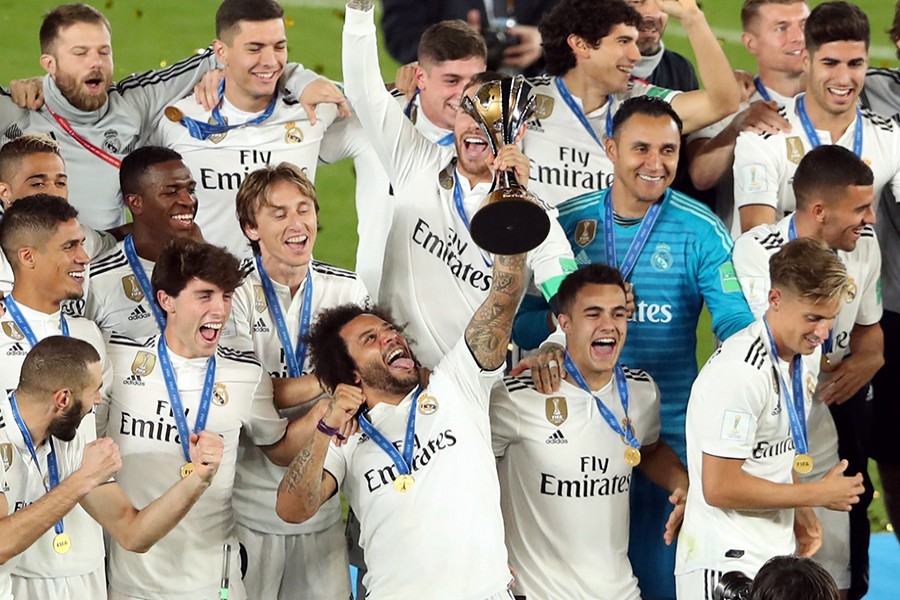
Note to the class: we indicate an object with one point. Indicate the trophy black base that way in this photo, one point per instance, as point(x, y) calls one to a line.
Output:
point(510, 226)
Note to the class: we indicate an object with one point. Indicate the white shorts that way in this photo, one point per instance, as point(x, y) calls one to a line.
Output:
point(92, 585)
point(697, 585)
point(834, 554)
point(235, 589)
point(280, 565)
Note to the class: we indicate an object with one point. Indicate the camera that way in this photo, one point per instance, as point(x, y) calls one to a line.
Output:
point(497, 40)
point(733, 585)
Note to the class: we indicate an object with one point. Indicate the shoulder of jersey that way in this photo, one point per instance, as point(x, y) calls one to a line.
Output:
point(158, 77)
point(119, 340)
point(694, 211)
point(326, 269)
point(636, 374)
point(767, 237)
point(241, 356)
point(113, 258)
point(756, 353)
point(879, 121)
point(248, 265)
point(579, 203)
point(515, 384)
point(541, 80)
point(867, 232)
point(397, 94)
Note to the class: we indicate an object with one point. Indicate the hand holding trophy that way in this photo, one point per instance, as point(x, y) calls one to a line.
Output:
point(511, 220)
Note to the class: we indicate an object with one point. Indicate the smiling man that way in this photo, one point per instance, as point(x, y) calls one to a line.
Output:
point(566, 459)
point(159, 190)
point(660, 66)
point(180, 381)
point(747, 447)
point(837, 45)
point(835, 205)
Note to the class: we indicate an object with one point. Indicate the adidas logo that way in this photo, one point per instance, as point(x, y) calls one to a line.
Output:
point(138, 313)
point(133, 380)
point(16, 350)
point(557, 437)
point(260, 326)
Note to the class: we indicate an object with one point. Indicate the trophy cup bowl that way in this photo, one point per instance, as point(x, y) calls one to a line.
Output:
point(511, 220)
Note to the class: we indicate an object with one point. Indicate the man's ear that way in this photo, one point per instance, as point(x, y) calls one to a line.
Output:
point(564, 322)
point(135, 203)
point(48, 62)
point(61, 399)
point(166, 301)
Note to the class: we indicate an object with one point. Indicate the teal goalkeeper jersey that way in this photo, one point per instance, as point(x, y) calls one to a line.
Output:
point(685, 262)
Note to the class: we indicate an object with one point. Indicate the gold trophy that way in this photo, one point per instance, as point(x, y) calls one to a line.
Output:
point(511, 220)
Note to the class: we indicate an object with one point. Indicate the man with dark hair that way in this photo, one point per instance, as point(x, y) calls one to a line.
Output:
point(591, 49)
point(43, 242)
point(284, 291)
point(773, 35)
point(424, 439)
point(566, 459)
point(793, 578)
point(98, 123)
point(677, 255)
point(159, 190)
point(745, 448)
point(435, 276)
point(40, 434)
point(837, 44)
point(882, 95)
point(177, 382)
point(257, 122)
point(835, 205)
point(659, 65)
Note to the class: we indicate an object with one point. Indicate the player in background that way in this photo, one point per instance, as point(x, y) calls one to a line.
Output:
point(773, 35)
point(677, 256)
point(273, 309)
point(566, 459)
point(746, 448)
point(40, 433)
point(659, 65)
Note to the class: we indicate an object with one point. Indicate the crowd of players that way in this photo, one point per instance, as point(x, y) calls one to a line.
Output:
point(197, 386)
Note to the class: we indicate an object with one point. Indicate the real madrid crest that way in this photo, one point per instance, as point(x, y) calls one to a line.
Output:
point(111, 142)
point(220, 394)
point(851, 291)
point(585, 232)
point(132, 288)
point(143, 364)
point(293, 135)
point(661, 259)
point(556, 410)
point(12, 331)
point(259, 299)
point(794, 149)
point(217, 137)
point(6, 455)
point(428, 405)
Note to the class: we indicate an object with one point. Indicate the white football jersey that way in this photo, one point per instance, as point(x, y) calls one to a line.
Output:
point(443, 538)
point(219, 164)
point(186, 563)
point(764, 165)
point(22, 483)
point(435, 277)
point(749, 423)
point(566, 161)
point(257, 478)
point(564, 485)
point(40, 561)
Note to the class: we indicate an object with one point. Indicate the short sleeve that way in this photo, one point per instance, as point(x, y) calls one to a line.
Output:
point(504, 418)
point(336, 463)
point(460, 369)
point(654, 422)
point(870, 308)
point(751, 263)
point(756, 172)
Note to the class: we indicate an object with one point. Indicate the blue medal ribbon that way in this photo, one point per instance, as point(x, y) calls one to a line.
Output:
point(404, 461)
point(794, 401)
point(761, 89)
point(175, 397)
point(19, 319)
point(461, 211)
point(52, 467)
point(813, 136)
point(579, 114)
point(141, 275)
point(201, 131)
point(294, 356)
point(447, 140)
point(608, 416)
point(640, 238)
point(827, 345)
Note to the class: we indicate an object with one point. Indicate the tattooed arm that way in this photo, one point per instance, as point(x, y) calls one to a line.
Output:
point(306, 485)
point(488, 332)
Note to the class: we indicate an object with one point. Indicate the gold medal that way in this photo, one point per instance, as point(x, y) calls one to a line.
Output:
point(632, 456)
point(186, 470)
point(803, 463)
point(62, 543)
point(173, 114)
point(403, 483)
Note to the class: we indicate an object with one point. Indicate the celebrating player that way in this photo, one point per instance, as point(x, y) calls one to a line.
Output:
point(566, 459)
point(745, 446)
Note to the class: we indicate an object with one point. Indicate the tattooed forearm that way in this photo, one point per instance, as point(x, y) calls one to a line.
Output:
point(301, 486)
point(489, 330)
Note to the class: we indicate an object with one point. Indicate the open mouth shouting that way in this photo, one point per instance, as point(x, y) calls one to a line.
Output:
point(297, 244)
point(210, 331)
point(475, 147)
point(96, 82)
point(399, 360)
point(603, 348)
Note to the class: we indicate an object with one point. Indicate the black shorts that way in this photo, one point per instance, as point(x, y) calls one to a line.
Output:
point(886, 398)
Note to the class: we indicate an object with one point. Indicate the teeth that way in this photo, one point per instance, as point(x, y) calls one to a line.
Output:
point(794, 53)
point(264, 75)
point(212, 325)
point(605, 341)
point(475, 141)
point(183, 217)
point(395, 354)
point(297, 239)
point(649, 178)
point(838, 92)
point(77, 274)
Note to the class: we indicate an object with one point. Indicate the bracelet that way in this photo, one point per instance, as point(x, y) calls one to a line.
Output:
point(329, 431)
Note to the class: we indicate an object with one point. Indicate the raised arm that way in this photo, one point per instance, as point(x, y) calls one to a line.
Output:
point(722, 95)
point(137, 530)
